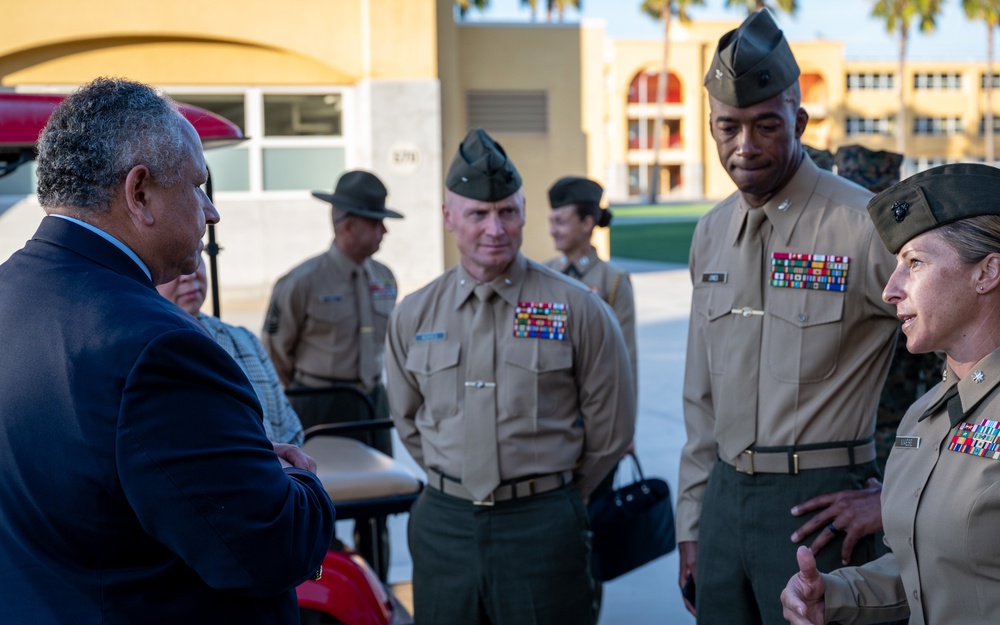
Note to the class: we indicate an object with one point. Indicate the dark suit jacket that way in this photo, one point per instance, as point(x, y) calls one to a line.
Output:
point(136, 483)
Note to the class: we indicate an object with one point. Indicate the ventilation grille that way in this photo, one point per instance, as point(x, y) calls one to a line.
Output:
point(508, 111)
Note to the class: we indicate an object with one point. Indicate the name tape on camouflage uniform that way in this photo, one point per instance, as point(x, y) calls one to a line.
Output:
point(978, 440)
point(541, 320)
point(820, 272)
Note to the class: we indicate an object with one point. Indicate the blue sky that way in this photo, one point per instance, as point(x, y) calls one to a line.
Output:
point(848, 21)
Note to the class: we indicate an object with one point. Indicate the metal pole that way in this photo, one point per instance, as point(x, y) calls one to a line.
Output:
point(213, 250)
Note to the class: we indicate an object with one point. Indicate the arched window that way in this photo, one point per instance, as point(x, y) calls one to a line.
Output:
point(643, 88)
point(813, 88)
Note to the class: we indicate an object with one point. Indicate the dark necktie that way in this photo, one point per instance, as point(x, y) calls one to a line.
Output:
point(955, 413)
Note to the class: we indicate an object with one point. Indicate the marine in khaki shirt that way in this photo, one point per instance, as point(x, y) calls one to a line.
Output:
point(788, 349)
point(313, 330)
point(575, 213)
point(510, 385)
point(327, 319)
point(326, 326)
point(941, 501)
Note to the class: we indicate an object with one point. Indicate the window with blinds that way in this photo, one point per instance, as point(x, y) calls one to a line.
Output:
point(508, 111)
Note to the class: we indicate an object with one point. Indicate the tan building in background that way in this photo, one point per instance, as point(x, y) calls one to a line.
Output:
point(392, 85)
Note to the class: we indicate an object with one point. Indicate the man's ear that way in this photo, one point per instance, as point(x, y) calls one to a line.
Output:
point(801, 121)
point(446, 214)
point(138, 183)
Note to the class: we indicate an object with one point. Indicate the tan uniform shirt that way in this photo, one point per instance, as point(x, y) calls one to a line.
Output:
point(613, 285)
point(313, 326)
point(561, 404)
point(941, 511)
point(824, 354)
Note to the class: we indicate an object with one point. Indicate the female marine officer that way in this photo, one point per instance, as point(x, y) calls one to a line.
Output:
point(576, 211)
point(941, 499)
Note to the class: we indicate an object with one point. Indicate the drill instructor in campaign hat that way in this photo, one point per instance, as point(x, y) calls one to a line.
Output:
point(510, 385)
point(788, 349)
point(326, 324)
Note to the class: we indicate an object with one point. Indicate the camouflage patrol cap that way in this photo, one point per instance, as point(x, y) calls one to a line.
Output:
point(573, 190)
point(933, 198)
point(752, 63)
point(481, 169)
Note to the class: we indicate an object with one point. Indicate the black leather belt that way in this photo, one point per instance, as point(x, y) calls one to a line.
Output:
point(508, 489)
point(791, 460)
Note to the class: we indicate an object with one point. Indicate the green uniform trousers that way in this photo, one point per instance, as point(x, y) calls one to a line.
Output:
point(520, 562)
point(745, 552)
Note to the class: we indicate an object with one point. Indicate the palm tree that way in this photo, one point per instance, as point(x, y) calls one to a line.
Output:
point(788, 6)
point(465, 5)
point(663, 10)
point(551, 5)
point(898, 15)
point(989, 12)
point(533, 4)
point(560, 7)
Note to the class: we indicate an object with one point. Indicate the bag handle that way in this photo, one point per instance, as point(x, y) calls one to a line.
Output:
point(637, 477)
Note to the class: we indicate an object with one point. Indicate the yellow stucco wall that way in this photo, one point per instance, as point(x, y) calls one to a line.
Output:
point(546, 58)
point(244, 42)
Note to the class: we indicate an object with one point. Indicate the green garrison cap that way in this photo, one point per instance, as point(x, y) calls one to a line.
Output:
point(573, 190)
point(481, 169)
point(934, 198)
point(751, 63)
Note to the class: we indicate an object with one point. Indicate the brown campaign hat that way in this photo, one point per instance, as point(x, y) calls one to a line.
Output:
point(573, 190)
point(934, 198)
point(752, 63)
point(360, 193)
point(481, 169)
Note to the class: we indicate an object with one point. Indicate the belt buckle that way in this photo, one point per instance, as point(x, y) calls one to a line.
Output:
point(749, 453)
point(489, 501)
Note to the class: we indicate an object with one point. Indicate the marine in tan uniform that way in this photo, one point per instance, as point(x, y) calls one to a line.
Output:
point(941, 501)
point(509, 384)
point(327, 319)
point(576, 211)
point(788, 348)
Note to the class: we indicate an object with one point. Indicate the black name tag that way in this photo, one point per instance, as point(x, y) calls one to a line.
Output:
point(909, 442)
point(718, 278)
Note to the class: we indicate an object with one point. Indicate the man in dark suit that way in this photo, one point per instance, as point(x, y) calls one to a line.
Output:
point(136, 482)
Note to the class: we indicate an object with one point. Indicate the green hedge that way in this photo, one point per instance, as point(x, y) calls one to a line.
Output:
point(659, 233)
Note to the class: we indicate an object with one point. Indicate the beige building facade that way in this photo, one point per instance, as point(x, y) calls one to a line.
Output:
point(392, 86)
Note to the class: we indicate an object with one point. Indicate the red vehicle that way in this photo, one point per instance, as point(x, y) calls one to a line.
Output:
point(362, 482)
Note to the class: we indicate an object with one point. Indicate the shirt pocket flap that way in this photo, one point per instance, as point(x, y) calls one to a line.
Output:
point(814, 309)
point(717, 302)
point(430, 357)
point(540, 355)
